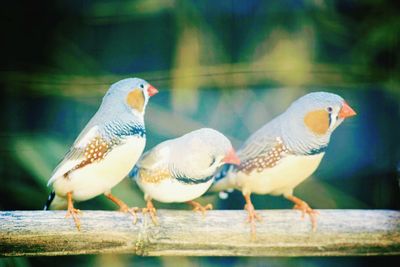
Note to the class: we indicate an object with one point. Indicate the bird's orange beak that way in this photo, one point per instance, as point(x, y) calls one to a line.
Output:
point(231, 157)
point(152, 90)
point(346, 111)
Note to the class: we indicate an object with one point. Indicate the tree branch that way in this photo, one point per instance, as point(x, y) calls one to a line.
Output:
point(186, 233)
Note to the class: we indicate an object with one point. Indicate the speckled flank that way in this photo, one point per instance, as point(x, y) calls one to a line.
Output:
point(135, 99)
point(266, 160)
point(153, 177)
point(317, 121)
point(96, 150)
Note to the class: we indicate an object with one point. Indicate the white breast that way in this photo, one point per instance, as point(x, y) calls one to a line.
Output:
point(99, 177)
point(171, 190)
point(282, 178)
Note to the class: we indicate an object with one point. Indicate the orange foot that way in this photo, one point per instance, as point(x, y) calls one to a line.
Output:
point(252, 216)
point(305, 209)
point(73, 212)
point(151, 210)
point(198, 207)
point(123, 207)
point(132, 211)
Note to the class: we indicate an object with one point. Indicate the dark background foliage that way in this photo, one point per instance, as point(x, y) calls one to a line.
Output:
point(231, 65)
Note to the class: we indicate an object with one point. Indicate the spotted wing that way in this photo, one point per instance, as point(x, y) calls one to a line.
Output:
point(262, 150)
point(89, 147)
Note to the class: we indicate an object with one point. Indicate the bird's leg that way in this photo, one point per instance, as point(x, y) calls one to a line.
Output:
point(73, 212)
point(151, 210)
point(123, 207)
point(252, 215)
point(198, 207)
point(304, 208)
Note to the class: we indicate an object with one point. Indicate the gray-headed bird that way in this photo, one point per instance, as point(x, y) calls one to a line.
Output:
point(182, 169)
point(105, 151)
point(285, 151)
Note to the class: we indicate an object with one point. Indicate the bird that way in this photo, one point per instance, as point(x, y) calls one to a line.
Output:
point(181, 169)
point(284, 152)
point(105, 150)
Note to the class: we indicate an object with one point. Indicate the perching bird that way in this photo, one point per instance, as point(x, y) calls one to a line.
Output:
point(286, 151)
point(181, 169)
point(106, 149)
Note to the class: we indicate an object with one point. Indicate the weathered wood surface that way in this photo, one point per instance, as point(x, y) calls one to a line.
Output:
point(186, 233)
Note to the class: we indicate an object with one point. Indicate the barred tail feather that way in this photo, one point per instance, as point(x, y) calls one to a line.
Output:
point(55, 202)
point(225, 194)
point(49, 200)
point(221, 174)
point(222, 183)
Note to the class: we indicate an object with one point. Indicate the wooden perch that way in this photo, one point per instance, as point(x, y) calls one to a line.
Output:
point(186, 233)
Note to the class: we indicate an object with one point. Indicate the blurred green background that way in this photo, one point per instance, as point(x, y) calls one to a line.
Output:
point(230, 65)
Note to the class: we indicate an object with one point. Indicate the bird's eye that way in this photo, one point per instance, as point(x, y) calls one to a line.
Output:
point(329, 109)
point(141, 85)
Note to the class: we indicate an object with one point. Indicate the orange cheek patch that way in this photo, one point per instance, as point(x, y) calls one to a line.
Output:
point(317, 121)
point(135, 99)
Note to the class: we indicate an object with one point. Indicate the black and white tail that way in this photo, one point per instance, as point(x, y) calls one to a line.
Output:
point(221, 183)
point(55, 202)
point(49, 200)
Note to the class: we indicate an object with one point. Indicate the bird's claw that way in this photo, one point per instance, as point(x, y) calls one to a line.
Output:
point(153, 214)
point(305, 209)
point(132, 211)
point(74, 213)
point(151, 210)
point(251, 219)
point(123, 207)
point(252, 214)
point(198, 207)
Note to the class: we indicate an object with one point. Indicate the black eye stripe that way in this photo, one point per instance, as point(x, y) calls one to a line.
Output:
point(212, 161)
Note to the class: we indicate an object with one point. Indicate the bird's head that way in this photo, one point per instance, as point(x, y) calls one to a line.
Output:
point(131, 93)
point(317, 115)
point(213, 149)
point(322, 112)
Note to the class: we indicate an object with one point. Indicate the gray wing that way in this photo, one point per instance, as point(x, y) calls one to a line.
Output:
point(153, 166)
point(171, 159)
point(260, 142)
point(76, 154)
point(256, 145)
point(264, 149)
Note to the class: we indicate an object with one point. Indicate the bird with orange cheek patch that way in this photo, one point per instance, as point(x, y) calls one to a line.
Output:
point(104, 152)
point(285, 152)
